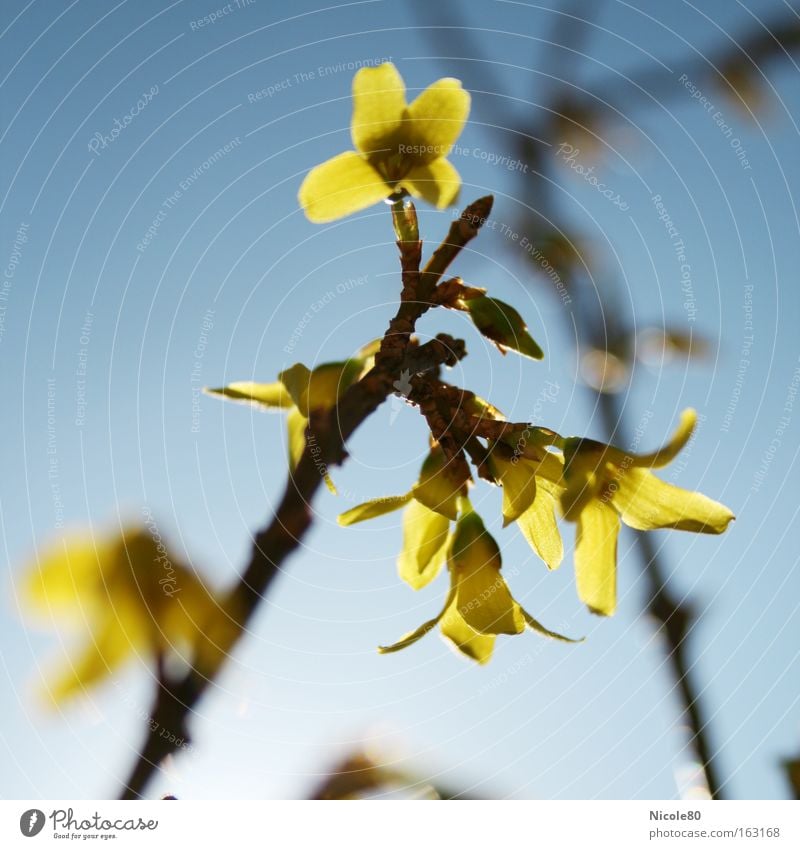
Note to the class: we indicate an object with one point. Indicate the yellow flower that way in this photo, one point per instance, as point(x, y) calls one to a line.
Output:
point(397, 146)
point(130, 593)
point(532, 482)
point(479, 605)
point(430, 506)
point(300, 390)
point(605, 485)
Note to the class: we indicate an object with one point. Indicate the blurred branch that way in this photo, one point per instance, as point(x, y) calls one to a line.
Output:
point(793, 774)
point(330, 429)
point(565, 104)
point(606, 95)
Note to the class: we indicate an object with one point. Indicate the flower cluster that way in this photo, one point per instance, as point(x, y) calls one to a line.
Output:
point(543, 477)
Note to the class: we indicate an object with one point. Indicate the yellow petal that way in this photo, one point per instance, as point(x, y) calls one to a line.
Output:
point(219, 633)
point(441, 483)
point(379, 98)
point(424, 545)
point(437, 182)
point(483, 599)
point(537, 626)
point(372, 509)
point(596, 557)
point(671, 450)
point(419, 633)
point(411, 637)
point(437, 117)
point(66, 576)
point(296, 424)
point(647, 503)
point(320, 388)
point(540, 528)
point(186, 611)
point(584, 462)
point(467, 640)
point(340, 186)
point(518, 481)
point(485, 603)
point(110, 646)
point(270, 395)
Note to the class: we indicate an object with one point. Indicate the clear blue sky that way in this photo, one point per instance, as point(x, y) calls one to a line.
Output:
point(215, 295)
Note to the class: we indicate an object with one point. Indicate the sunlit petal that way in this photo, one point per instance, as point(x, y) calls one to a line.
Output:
point(340, 186)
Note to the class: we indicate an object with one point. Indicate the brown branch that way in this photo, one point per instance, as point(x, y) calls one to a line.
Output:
point(176, 698)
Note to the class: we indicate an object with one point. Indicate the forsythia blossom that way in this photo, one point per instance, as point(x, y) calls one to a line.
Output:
point(132, 595)
point(300, 390)
point(604, 486)
point(398, 146)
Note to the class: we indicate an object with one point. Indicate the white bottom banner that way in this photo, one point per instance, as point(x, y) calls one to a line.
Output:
point(404, 824)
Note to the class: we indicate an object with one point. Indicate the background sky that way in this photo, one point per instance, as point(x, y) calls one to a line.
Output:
point(216, 294)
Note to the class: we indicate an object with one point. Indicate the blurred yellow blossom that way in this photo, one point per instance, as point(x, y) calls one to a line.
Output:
point(132, 595)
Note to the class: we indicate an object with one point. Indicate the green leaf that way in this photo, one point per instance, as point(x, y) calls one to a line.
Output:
point(503, 325)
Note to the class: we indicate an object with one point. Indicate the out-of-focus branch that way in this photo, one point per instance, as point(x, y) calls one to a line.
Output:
point(676, 618)
point(330, 429)
point(565, 104)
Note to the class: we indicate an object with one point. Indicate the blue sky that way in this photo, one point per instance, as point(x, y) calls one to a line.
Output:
point(107, 333)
